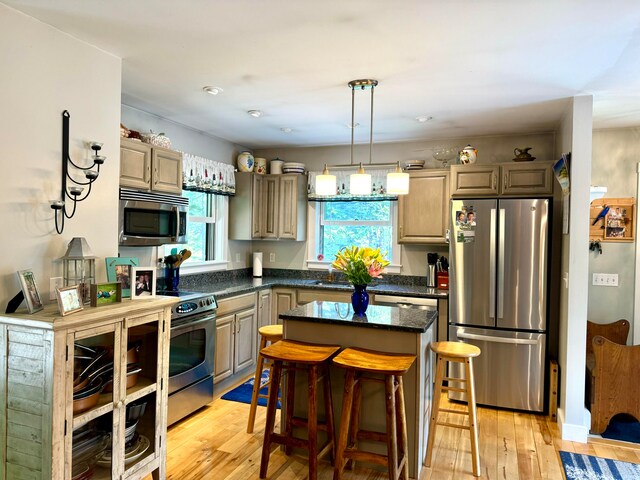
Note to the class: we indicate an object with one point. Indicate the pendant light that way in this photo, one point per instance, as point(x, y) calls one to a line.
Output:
point(326, 184)
point(360, 182)
point(398, 182)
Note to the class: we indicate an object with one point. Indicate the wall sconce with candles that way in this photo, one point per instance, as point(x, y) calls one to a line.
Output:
point(360, 181)
point(74, 192)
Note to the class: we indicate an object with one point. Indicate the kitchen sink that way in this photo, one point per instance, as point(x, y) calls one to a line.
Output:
point(329, 283)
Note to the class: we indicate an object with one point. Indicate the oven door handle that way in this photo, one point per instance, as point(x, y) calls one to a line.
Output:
point(194, 323)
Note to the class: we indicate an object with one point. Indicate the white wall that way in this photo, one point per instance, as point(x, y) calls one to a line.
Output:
point(185, 139)
point(614, 166)
point(575, 135)
point(491, 149)
point(45, 71)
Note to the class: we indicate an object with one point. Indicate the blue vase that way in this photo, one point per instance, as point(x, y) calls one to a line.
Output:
point(171, 278)
point(359, 299)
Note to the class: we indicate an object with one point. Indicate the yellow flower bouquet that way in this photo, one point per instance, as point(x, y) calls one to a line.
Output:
point(360, 264)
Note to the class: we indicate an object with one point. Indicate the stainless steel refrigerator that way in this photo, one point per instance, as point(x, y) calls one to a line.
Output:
point(498, 297)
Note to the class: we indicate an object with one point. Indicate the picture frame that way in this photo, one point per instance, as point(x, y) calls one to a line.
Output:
point(30, 290)
point(69, 300)
point(105, 293)
point(143, 282)
point(119, 270)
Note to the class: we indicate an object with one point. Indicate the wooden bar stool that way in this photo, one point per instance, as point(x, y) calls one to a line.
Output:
point(462, 353)
point(271, 334)
point(290, 356)
point(359, 362)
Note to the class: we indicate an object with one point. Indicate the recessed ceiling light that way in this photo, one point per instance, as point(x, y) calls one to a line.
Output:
point(213, 90)
point(423, 118)
point(286, 129)
point(354, 126)
point(255, 113)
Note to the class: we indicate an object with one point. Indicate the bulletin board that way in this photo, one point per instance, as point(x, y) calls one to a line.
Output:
point(617, 224)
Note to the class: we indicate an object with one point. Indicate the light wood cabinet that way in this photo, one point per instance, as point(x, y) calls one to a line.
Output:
point(41, 434)
point(508, 179)
point(268, 207)
point(310, 295)
point(423, 214)
point(145, 167)
point(283, 299)
point(236, 333)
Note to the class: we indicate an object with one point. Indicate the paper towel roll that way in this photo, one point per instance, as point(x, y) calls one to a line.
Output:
point(257, 264)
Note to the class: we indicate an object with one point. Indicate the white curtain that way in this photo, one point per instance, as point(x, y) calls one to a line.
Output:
point(206, 175)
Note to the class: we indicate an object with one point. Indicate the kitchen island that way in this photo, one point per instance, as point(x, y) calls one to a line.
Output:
point(385, 329)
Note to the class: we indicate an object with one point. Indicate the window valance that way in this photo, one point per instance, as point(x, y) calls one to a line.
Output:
point(203, 175)
point(378, 186)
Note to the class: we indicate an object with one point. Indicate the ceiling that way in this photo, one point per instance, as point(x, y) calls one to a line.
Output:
point(476, 67)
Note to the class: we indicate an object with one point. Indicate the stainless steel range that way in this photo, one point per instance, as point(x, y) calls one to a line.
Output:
point(191, 353)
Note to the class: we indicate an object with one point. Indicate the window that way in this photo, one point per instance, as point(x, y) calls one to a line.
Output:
point(340, 224)
point(206, 228)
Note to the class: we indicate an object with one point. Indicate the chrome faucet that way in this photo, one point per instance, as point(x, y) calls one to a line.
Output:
point(330, 275)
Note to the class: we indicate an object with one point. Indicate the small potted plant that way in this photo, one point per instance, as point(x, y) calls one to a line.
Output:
point(361, 265)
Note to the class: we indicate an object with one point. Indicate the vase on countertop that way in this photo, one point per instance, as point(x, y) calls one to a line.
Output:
point(359, 299)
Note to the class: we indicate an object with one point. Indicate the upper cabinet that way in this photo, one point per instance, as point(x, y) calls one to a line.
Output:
point(268, 207)
point(146, 167)
point(423, 213)
point(508, 179)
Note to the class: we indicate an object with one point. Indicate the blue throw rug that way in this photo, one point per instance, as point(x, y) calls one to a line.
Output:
point(587, 467)
point(242, 393)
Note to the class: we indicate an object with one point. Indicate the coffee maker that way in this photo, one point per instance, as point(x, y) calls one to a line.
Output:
point(432, 260)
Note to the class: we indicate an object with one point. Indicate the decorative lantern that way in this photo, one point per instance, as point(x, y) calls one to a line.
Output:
point(79, 266)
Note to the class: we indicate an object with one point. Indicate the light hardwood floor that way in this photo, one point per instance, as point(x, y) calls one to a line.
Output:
point(213, 444)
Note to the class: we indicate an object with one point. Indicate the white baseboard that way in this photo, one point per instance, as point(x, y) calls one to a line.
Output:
point(573, 432)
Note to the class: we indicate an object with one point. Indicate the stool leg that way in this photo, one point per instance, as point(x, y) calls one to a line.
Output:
point(312, 422)
point(290, 406)
point(354, 424)
point(343, 433)
point(473, 421)
point(402, 425)
point(435, 407)
point(392, 440)
point(328, 413)
point(256, 387)
point(271, 420)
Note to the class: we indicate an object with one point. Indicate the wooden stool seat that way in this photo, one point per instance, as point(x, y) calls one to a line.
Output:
point(374, 362)
point(290, 356)
point(271, 334)
point(461, 353)
point(299, 352)
point(357, 362)
point(455, 349)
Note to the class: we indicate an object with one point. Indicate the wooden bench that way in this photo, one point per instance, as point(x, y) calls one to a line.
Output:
point(612, 372)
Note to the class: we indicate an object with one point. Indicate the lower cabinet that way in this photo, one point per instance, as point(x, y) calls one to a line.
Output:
point(283, 299)
point(310, 295)
point(236, 327)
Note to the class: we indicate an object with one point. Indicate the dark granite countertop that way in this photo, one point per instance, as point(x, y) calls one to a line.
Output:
point(247, 285)
point(385, 318)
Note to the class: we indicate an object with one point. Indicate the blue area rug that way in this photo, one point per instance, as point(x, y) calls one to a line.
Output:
point(623, 427)
point(587, 467)
point(242, 393)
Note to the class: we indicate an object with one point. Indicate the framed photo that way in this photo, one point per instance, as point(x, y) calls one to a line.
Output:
point(119, 270)
point(69, 300)
point(105, 293)
point(30, 291)
point(143, 282)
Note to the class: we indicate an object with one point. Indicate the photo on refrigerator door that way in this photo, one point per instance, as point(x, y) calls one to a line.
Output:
point(465, 224)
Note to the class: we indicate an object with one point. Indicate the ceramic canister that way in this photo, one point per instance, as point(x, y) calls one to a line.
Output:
point(276, 165)
point(245, 162)
point(260, 166)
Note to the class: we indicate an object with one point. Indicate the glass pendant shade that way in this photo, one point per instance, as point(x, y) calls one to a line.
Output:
point(326, 184)
point(397, 182)
point(360, 183)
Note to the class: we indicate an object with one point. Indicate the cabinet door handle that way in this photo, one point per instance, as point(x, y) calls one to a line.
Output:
point(493, 183)
point(505, 182)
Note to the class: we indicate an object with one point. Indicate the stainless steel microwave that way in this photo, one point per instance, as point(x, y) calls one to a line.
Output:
point(148, 218)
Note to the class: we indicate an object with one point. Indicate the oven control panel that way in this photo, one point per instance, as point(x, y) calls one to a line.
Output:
point(194, 304)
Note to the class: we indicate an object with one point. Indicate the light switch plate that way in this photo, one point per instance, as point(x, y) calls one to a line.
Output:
point(605, 279)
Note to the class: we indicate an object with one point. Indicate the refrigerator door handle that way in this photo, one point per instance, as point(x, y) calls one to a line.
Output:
point(492, 266)
point(488, 338)
point(501, 226)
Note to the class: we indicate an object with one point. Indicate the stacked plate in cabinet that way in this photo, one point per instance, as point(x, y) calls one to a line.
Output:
point(293, 167)
point(414, 165)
